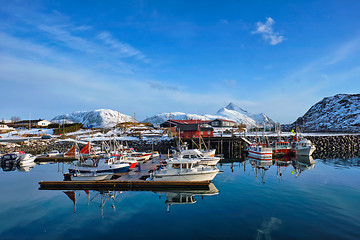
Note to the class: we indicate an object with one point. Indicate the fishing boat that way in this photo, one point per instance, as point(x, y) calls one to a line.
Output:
point(138, 156)
point(197, 154)
point(123, 158)
point(260, 151)
point(282, 148)
point(100, 166)
point(303, 147)
point(184, 170)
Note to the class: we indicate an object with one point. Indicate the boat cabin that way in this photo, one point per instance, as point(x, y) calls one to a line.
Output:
point(182, 164)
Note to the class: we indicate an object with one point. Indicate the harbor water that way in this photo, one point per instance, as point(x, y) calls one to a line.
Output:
point(289, 199)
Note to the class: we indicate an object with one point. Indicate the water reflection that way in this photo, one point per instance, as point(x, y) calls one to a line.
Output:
point(103, 195)
point(21, 167)
point(260, 168)
point(303, 163)
point(173, 196)
point(299, 164)
point(183, 197)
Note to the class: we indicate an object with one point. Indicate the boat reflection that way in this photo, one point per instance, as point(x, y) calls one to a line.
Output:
point(182, 197)
point(9, 166)
point(302, 163)
point(260, 167)
point(103, 195)
point(281, 165)
point(173, 196)
point(299, 164)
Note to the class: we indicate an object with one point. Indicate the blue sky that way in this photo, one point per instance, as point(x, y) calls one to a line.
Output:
point(147, 57)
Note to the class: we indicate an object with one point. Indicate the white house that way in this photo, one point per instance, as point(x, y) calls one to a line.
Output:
point(32, 123)
point(5, 128)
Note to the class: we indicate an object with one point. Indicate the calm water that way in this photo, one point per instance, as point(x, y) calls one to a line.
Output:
point(290, 200)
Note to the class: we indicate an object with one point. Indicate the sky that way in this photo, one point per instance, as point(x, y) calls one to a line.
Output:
point(149, 57)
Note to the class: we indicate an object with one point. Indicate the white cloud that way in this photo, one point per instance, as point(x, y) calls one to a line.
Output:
point(267, 32)
point(122, 48)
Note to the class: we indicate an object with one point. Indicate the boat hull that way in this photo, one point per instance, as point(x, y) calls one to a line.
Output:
point(305, 151)
point(260, 155)
point(190, 177)
point(90, 177)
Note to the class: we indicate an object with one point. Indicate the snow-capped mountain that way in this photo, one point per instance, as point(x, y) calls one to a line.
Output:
point(239, 115)
point(230, 112)
point(337, 113)
point(97, 118)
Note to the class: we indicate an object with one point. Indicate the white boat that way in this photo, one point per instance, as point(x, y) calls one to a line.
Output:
point(208, 153)
point(303, 147)
point(91, 176)
point(184, 170)
point(197, 154)
point(101, 166)
point(54, 153)
point(260, 152)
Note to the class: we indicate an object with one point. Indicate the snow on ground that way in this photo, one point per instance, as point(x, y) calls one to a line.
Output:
point(18, 133)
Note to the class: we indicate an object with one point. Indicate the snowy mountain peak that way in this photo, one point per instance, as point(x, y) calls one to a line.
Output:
point(96, 118)
point(232, 106)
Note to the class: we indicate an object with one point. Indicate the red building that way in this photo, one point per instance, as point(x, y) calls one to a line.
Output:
point(190, 128)
point(195, 130)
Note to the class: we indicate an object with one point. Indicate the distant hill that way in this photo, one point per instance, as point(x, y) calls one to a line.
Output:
point(339, 113)
point(98, 118)
point(230, 112)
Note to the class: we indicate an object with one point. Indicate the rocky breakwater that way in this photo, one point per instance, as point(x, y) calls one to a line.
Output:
point(337, 146)
point(37, 146)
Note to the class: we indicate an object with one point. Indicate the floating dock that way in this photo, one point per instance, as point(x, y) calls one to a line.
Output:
point(135, 179)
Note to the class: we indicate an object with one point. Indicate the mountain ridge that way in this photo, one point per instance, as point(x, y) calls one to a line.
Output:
point(105, 118)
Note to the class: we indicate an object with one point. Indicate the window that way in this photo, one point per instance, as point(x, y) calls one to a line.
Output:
point(177, 165)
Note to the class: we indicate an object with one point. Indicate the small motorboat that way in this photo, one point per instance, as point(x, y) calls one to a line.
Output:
point(91, 176)
point(54, 153)
point(100, 166)
point(18, 157)
point(180, 169)
point(260, 151)
point(303, 147)
point(197, 154)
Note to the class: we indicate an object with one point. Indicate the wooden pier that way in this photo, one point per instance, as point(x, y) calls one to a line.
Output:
point(135, 179)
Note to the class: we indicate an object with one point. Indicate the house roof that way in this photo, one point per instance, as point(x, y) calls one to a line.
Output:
point(27, 121)
point(223, 120)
